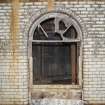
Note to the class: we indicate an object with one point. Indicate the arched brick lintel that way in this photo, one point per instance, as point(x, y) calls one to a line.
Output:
point(34, 15)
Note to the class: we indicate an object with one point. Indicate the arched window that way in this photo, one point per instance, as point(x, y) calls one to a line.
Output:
point(55, 50)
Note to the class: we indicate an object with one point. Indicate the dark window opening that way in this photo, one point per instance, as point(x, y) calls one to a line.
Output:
point(53, 63)
point(71, 33)
point(55, 58)
point(39, 34)
point(48, 25)
point(62, 25)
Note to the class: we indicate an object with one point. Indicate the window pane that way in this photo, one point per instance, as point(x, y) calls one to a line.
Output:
point(71, 33)
point(52, 63)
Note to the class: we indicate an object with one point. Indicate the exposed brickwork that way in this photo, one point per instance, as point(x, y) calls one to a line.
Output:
point(92, 15)
point(13, 84)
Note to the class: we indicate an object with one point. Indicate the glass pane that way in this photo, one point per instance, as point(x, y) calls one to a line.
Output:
point(51, 63)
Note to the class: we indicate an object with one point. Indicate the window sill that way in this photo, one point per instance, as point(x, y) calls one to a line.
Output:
point(56, 86)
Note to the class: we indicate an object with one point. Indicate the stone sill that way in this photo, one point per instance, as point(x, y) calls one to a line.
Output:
point(48, 101)
point(56, 87)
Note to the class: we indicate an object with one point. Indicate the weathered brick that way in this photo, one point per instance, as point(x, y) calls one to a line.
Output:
point(93, 16)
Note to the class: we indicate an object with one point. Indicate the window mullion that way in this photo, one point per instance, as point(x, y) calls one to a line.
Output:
point(43, 31)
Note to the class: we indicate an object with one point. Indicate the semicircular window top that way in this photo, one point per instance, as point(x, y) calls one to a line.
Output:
point(55, 51)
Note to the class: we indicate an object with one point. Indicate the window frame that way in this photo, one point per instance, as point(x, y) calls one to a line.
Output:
point(78, 40)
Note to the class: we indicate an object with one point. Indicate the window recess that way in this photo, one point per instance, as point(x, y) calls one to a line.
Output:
point(55, 52)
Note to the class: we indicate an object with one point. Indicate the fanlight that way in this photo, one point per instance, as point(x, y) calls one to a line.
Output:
point(52, 29)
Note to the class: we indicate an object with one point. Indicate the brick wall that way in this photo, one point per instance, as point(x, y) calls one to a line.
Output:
point(14, 84)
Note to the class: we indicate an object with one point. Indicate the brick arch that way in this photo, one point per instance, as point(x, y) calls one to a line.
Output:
point(44, 12)
point(53, 14)
point(34, 15)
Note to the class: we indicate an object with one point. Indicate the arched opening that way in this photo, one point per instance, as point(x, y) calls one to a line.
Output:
point(55, 43)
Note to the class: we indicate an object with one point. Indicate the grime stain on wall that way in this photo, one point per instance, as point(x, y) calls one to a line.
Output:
point(50, 4)
point(14, 31)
